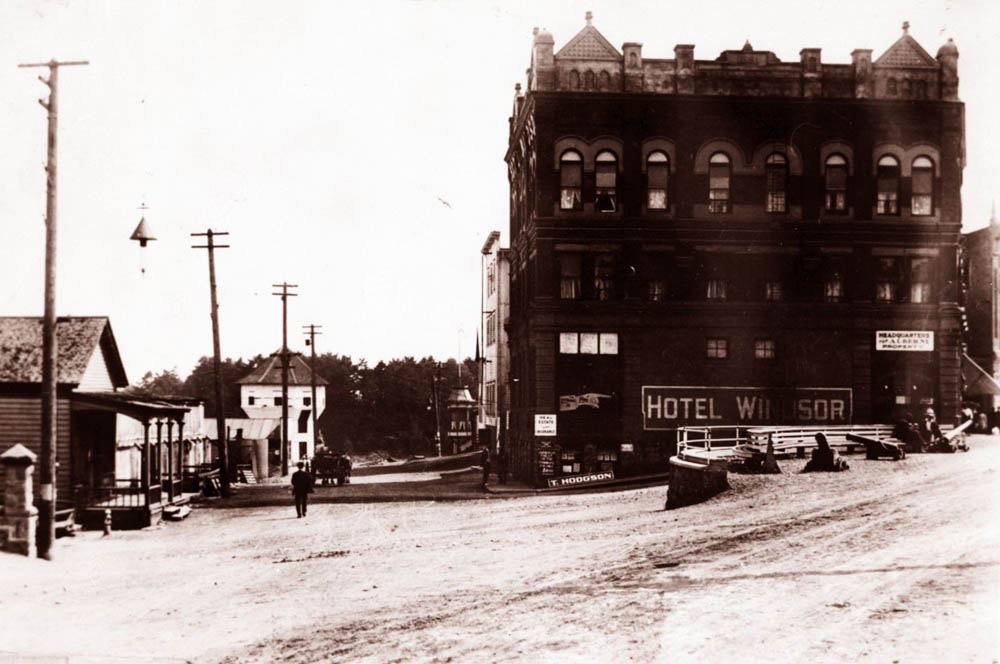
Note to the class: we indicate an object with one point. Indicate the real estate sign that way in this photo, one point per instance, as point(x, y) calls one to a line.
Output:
point(669, 407)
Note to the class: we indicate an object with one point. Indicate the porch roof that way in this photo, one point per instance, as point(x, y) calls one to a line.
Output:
point(139, 408)
point(978, 381)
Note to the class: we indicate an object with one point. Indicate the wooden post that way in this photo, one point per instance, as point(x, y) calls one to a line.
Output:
point(170, 460)
point(144, 481)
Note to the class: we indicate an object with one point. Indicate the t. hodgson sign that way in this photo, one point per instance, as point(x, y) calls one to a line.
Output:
point(669, 407)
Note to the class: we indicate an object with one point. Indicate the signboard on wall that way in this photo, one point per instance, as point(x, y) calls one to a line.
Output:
point(545, 424)
point(904, 340)
point(578, 480)
point(669, 407)
point(546, 458)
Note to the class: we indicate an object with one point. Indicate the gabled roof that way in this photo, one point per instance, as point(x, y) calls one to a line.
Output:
point(589, 44)
point(77, 339)
point(906, 52)
point(268, 372)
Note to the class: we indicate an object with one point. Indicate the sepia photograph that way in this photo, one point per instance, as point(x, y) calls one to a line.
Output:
point(511, 331)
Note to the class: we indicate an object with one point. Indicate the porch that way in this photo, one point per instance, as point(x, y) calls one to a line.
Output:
point(129, 460)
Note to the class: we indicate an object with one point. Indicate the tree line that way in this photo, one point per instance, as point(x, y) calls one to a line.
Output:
point(385, 407)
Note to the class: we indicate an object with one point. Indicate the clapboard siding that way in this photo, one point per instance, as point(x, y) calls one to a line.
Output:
point(21, 422)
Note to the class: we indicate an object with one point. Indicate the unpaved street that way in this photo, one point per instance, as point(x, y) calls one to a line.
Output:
point(887, 562)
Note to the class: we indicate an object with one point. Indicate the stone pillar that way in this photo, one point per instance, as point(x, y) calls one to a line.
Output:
point(864, 82)
point(812, 72)
point(20, 517)
point(684, 68)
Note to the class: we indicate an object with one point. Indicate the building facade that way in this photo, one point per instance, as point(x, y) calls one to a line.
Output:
point(731, 241)
point(982, 304)
point(496, 311)
point(260, 398)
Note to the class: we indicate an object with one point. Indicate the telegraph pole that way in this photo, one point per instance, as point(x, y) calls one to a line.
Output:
point(47, 472)
point(220, 415)
point(312, 371)
point(284, 294)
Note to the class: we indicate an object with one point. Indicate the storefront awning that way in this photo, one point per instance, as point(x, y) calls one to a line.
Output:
point(978, 381)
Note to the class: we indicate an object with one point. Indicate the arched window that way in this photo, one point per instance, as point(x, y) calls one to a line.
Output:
point(907, 88)
point(604, 81)
point(574, 80)
point(718, 183)
point(607, 182)
point(890, 87)
point(570, 177)
point(836, 184)
point(922, 200)
point(887, 202)
point(776, 172)
point(657, 172)
point(588, 80)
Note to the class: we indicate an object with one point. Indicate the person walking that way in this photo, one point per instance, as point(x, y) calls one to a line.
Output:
point(302, 486)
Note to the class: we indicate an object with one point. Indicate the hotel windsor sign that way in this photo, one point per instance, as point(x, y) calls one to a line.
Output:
point(669, 407)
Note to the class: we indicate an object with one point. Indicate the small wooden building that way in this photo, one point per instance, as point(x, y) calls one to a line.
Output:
point(113, 450)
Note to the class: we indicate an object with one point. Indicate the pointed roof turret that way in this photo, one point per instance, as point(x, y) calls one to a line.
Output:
point(589, 44)
point(906, 52)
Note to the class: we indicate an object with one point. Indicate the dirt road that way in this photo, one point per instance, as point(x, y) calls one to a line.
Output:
point(887, 562)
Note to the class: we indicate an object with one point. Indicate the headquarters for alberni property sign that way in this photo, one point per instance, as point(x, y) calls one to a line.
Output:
point(904, 340)
point(669, 407)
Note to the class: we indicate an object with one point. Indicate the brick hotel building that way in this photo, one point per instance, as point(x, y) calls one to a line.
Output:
point(738, 240)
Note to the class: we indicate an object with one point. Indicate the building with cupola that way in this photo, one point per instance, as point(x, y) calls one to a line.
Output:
point(737, 240)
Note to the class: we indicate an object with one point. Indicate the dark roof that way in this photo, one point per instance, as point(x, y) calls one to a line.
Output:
point(268, 372)
point(77, 338)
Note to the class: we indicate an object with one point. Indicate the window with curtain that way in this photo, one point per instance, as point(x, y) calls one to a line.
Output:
point(570, 177)
point(606, 168)
point(920, 280)
point(887, 202)
point(836, 184)
point(776, 181)
point(718, 183)
point(604, 270)
point(569, 277)
point(833, 288)
point(657, 172)
point(922, 184)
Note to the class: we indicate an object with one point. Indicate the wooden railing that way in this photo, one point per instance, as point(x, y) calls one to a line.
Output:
point(122, 494)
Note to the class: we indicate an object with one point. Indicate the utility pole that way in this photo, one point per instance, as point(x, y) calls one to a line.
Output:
point(435, 386)
point(284, 294)
point(47, 473)
point(220, 415)
point(311, 342)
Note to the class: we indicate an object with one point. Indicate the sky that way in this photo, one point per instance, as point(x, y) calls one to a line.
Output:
point(352, 148)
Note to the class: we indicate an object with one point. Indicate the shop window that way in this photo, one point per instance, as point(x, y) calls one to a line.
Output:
point(833, 288)
point(569, 277)
point(836, 184)
point(570, 461)
point(718, 183)
point(773, 291)
point(607, 182)
point(570, 178)
point(763, 349)
point(716, 289)
point(776, 179)
point(717, 348)
point(887, 202)
point(922, 200)
point(657, 173)
point(604, 269)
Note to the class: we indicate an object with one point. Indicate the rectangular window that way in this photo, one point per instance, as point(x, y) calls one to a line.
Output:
point(604, 268)
point(307, 401)
point(588, 343)
point(717, 348)
point(920, 292)
point(923, 187)
point(920, 280)
point(491, 337)
point(569, 343)
point(656, 174)
point(250, 400)
point(716, 289)
point(718, 188)
point(569, 277)
point(763, 349)
point(775, 177)
point(609, 343)
point(772, 291)
point(304, 421)
point(303, 449)
point(885, 291)
point(833, 289)
point(836, 188)
point(570, 175)
point(278, 401)
point(607, 194)
point(657, 291)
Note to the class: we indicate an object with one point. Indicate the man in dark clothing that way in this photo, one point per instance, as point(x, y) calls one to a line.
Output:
point(302, 486)
point(486, 467)
point(824, 458)
point(929, 431)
